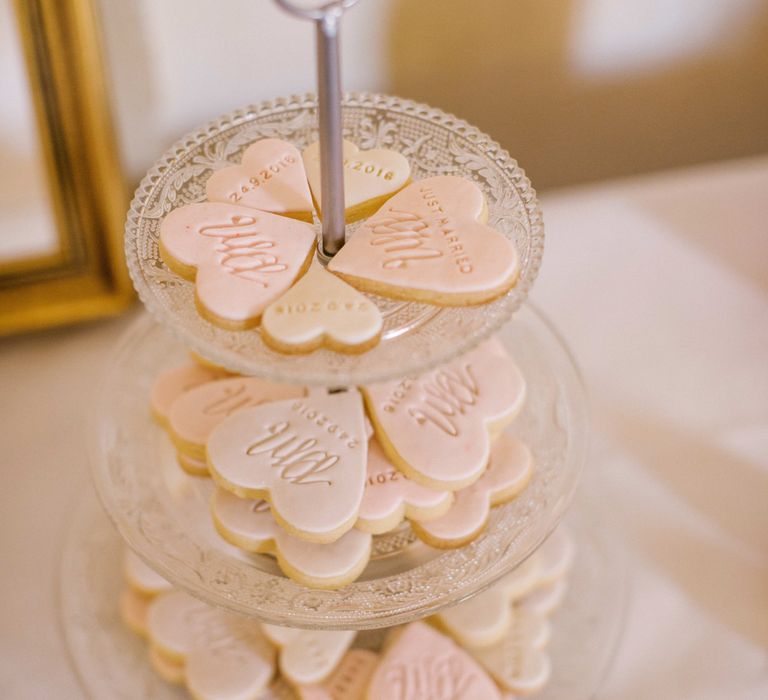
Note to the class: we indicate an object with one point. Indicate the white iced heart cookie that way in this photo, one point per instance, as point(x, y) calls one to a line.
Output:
point(133, 611)
point(348, 680)
point(241, 259)
point(174, 382)
point(194, 414)
point(370, 177)
point(483, 621)
point(422, 663)
point(428, 243)
point(509, 471)
point(518, 662)
point(308, 656)
point(437, 427)
point(531, 588)
point(390, 496)
point(248, 524)
point(321, 309)
point(225, 657)
point(141, 578)
point(271, 177)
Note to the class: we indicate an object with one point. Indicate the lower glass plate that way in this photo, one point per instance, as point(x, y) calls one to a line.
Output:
point(112, 662)
point(164, 514)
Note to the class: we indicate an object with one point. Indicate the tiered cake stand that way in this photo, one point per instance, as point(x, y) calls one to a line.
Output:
point(162, 513)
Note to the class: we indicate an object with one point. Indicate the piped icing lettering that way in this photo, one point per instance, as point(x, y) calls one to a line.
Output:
point(437, 427)
point(241, 259)
point(428, 243)
point(307, 457)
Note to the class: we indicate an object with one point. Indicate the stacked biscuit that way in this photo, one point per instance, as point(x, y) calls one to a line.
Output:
point(311, 476)
point(250, 247)
point(491, 647)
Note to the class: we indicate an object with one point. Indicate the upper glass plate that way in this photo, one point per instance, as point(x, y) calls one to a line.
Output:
point(164, 514)
point(415, 336)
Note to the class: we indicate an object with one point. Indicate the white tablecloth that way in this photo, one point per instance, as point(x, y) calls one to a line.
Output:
point(660, 285)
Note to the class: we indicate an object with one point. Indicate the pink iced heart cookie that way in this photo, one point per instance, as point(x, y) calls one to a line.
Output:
point(390, 496)
point(133, 611)
point(241, 259)
point(225, 657)
point(321, 309)
point(347, 682)
point(422, 663)
point(248, 524)
point(194, 414)
point(174, 382)
point(307, 457)
point(308, 656)
point(508, 473)
point(437, 427)
point(428, 244)
point(271, 177)
point(370, 177)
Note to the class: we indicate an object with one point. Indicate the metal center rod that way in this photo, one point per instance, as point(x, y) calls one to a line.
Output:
point(331, 150)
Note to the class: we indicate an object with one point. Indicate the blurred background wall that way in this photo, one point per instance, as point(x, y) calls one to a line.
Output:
point(577, 90)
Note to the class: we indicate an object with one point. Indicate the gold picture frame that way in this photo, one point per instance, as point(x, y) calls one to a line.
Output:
point(86, 276)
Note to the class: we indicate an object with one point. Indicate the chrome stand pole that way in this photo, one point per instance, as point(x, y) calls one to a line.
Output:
point(327, 18)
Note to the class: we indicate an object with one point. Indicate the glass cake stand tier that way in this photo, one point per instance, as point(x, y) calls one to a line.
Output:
point(112, 662)
point(163, 513)
point(415, 336)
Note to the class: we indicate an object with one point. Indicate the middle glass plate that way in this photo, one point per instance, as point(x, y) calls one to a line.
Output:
point(163, 513)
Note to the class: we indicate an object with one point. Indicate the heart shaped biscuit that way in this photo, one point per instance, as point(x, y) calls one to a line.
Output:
point(307, 457)
point(390, 496)
point(241, 259)
point(271, 177)
point(320, 309)
point(518, 662)
point(437, 427)
point(249, 524)
point(347, 682)
point(174, 382)
point(308, 656)
point(428, 243)
point(225, 657)
point(422, 663)
point(508, 473)
point(370, 177)
point(193, 415)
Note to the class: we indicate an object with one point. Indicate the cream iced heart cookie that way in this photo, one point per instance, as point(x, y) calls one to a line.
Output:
point(390, 496)
point(241, 259)
point(194, 414)
point(174, 382)
point(429, 243)
point(170, 671)
point(555, 556)
point(133, 611)
point(508, 473)
point(421, 663)
point(347, 682)
point(271, 177)
point(320, 309)
point(141, 578)
point(370, 177)
point(546, 599)
point(224, 657)
point(307, 457)
point(437, 427)
point(308, 656)
point(249, 525)
point(483, 621)
point(518, 663)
